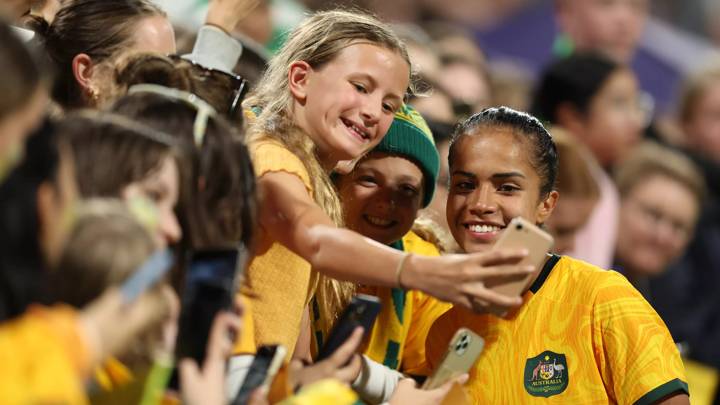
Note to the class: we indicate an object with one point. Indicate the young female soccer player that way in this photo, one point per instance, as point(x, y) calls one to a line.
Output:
point(583, 334)
point(330, 95)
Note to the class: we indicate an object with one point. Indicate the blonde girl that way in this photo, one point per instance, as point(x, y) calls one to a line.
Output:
point(330, 95)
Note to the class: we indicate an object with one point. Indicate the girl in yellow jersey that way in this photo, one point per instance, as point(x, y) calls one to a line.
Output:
point(330, 95)
point(583, 334)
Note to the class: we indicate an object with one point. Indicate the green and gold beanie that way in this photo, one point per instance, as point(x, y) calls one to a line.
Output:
point(409, 136)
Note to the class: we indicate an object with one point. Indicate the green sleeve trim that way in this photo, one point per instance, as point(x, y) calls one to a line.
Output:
point(662, 391)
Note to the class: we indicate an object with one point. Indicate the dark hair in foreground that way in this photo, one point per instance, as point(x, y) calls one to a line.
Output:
point(218, 202)
point(22, 269)
point(526, 128)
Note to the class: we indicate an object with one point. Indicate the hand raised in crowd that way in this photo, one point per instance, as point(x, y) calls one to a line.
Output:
point(100, 319)
point(343, 365)
point(407, 392)
point(227, 14)
point(207, 385)
point(464, 279)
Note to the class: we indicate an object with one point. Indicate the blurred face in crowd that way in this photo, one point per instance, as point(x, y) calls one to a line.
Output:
point(615, 118)
point(492, 181)
point(466, 84)
point(657, 220)
point(16, 126)
point(436, 106)
point(382, 196)
point(424, 60)
point(610, 26)
point(570, 215)
point(703, 127)
point(162, 188)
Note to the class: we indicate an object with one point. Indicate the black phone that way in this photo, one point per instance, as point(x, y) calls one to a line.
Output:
point(210, 287)
point(263, 369)
point(361, 311)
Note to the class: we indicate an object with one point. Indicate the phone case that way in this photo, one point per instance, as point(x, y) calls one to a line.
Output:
point(464, 349)
point(362, 311)
point(263, 369)
point(522, 234)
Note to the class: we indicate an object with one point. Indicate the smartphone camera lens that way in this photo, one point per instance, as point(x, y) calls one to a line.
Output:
point(361, 309)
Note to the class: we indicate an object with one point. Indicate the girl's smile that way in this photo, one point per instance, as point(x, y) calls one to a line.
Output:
point(348, 104)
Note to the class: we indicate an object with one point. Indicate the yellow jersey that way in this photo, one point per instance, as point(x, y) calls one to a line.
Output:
point(397, 339)
point(583, 335)
point(277, 312)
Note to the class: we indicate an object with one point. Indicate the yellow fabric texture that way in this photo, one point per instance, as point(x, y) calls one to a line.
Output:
point(616, 348)
point(245, 343)
point(401, 345)
point(112, 374)
point(323, 392)
point(279, 283)
point(44, 358)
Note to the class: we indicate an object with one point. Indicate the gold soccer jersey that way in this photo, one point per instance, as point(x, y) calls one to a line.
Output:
point(397, 339)
point(582, 336)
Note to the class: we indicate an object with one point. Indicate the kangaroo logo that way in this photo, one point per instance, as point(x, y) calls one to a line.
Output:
point(546, 374)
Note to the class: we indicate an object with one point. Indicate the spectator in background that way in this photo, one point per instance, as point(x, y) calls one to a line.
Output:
point(596, 100)
point(661, 195)
point(579, 192)
point(87, 36)
point(437, 107)
point(690, 303)
point(421, 49)
point(611, 27)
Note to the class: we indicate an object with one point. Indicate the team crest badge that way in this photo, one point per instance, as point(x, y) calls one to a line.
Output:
point(546, 374)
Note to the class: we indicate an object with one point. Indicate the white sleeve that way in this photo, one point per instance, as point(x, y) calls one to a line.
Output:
point(215, 49)
point(237, 369)
point(376, 383)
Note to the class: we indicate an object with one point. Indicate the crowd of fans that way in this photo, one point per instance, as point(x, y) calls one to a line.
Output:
point(349, 154)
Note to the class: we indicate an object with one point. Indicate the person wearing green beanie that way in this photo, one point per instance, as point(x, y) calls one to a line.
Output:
point(381, 198)
point(382, 195)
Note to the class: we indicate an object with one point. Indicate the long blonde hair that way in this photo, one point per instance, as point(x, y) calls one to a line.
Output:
point(317, 41)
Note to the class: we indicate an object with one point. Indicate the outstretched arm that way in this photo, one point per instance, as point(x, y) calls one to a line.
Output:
point(291, 217)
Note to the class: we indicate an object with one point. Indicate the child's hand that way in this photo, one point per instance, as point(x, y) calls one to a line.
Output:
point(344, 365)
point(227, 14)
point(207, 386)
point(462, 279)
point(406, 392)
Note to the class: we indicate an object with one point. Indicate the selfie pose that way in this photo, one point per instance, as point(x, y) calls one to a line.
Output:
point(582, 332)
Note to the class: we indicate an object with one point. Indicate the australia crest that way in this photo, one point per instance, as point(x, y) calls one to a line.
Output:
point(546, 374)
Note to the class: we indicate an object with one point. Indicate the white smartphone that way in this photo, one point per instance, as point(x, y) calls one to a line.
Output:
point(464, 349)
point(522, 234)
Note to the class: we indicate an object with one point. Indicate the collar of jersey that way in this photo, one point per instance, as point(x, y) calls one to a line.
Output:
point(544, 273)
